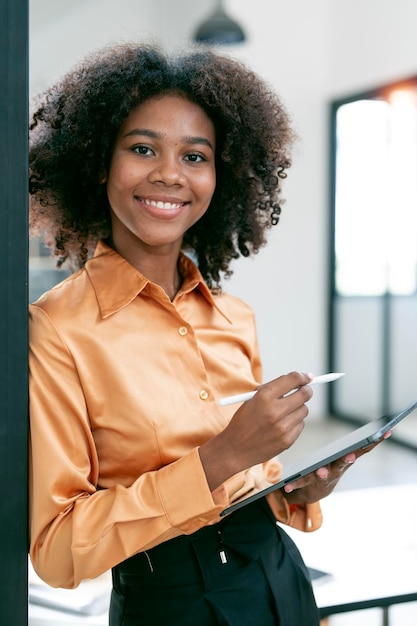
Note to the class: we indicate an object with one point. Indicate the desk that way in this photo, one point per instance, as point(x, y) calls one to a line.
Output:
point(368, 542)
point(94, 595)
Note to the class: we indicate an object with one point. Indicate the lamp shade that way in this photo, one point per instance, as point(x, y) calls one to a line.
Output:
point(219, 28)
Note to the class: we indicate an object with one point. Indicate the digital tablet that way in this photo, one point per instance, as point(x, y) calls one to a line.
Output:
point(360, 438)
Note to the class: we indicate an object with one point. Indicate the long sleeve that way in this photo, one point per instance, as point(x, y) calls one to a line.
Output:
point(124, 388)
point(69, 511)
point(306, 517)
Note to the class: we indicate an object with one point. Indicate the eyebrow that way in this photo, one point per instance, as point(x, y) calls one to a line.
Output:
point(156, 135)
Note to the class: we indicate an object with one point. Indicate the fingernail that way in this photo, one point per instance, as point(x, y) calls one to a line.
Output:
point(288, 488)
point(350, 458)
point(322, 472)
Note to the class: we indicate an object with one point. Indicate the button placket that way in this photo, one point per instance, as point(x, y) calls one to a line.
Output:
point(203, 394)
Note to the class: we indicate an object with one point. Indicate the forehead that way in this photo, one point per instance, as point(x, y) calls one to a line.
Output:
point(170, 114)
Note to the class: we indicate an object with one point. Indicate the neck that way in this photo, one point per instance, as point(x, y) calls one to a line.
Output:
point(160, 267)
point(170, 280)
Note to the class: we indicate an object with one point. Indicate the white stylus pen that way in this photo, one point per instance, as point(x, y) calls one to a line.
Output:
point(242, 397)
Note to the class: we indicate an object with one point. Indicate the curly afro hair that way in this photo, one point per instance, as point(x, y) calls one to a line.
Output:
point(75, 125)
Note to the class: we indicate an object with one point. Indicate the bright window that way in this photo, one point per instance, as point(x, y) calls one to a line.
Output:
point(376, 195)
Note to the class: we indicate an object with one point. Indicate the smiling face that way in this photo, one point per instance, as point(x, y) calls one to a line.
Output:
point(161, 177)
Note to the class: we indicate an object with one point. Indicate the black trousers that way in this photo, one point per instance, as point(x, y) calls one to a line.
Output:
point(244, 571)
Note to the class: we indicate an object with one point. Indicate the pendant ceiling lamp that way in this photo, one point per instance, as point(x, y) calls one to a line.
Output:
point(219, 29)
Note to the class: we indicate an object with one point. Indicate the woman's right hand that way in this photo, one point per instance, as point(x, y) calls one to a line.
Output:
point(261, 428)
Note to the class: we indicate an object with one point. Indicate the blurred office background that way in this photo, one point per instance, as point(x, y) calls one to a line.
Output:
point(315, 54)
point(335, 288)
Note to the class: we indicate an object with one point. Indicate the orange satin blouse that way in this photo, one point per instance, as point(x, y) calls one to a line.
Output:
point(124, 386)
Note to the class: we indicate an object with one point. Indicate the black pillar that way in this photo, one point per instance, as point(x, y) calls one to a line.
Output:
point(13, 310)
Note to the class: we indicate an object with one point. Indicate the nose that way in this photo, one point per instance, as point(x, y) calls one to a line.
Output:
point(167, 171)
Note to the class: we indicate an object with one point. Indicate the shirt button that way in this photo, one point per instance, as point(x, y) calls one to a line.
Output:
point(203, 394)
point(183, 330)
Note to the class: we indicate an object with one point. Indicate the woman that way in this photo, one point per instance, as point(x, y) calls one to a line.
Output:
point(135, 158)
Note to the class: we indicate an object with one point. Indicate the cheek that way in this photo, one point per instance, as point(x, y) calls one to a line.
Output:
point(123, 172)
point(118, 177)
point(208, 185)
point(120, 182)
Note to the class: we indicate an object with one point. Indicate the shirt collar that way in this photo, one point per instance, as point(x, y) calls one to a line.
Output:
point(117, 283)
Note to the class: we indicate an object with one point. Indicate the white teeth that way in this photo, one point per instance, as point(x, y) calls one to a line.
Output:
point(163, 205)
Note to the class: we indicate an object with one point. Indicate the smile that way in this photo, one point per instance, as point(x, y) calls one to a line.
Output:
point(168, 206)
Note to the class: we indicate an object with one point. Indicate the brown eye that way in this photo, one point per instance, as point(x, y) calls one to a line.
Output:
point(194, 158)
point(142, 150)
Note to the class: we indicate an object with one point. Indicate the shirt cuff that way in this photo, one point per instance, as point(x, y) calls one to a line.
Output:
point(185, 495)
point(305, 517)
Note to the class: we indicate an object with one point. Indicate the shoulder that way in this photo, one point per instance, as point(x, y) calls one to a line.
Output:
point(232, 306)
point(65, 298)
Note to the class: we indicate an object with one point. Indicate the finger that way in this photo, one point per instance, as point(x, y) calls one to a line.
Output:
point(298, 484)
point(289, 488)
point(307, 379)
point(367, 449)
point(340, 465)
point(323, 473)
point(287, 384)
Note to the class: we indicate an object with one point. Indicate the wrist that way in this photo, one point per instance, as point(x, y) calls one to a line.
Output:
point(217, 462)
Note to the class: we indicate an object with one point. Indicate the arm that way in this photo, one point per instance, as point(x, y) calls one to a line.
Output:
point(77, 529)
point(260, 429)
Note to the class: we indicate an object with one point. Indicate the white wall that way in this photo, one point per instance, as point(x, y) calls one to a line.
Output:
point(310, 52)
point(372, 42)
point(63, 31)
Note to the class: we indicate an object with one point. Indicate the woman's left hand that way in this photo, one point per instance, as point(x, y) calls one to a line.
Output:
point(319, 484)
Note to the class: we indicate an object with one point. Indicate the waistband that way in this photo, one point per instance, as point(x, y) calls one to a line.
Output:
point(243, 535)
point(225, 564)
